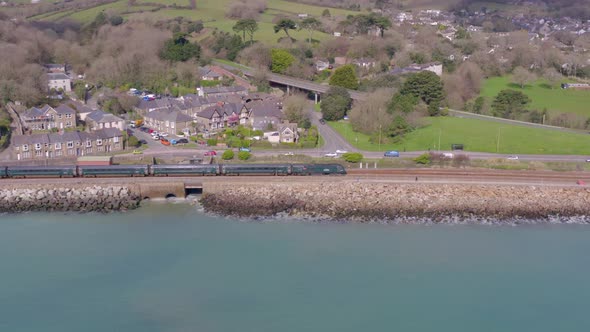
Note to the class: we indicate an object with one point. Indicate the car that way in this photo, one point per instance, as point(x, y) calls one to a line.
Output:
point(512, 158)
point(164, 134)
point(391, 154)
point(142, 141)
point(211, 153)
point(341, 151)
point(345, 117)
point(150, 131)
point(322, 121)
point(182, 141)
point(245, 149)
point(588, 160)
point(165, 141)
point(331, 155)
point(132, 125)
point(137, 152)
point(155, 137)
point(173, 141)
point(289, 154)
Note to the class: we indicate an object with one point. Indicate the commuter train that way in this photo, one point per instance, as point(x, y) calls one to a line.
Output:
point(170, 170)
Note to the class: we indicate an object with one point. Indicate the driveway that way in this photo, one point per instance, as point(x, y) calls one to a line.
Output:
point(332, 139)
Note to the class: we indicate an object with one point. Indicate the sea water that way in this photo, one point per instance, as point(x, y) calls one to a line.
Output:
point(173, 268)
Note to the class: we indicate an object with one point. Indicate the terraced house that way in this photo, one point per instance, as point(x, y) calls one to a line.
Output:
point(66, 144)
point(47, 117)
point(169, 121)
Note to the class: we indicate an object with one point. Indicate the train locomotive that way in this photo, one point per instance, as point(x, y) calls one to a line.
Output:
point(171, 170)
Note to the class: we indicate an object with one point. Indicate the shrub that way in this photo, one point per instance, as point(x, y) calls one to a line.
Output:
point(423, 159)
point(227, 155)
point(244, 155)
point(133, 141)
point(352, 157)
point(212, 142)
point(461, 160)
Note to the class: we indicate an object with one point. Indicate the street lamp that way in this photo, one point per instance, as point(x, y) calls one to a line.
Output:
point(498, 140)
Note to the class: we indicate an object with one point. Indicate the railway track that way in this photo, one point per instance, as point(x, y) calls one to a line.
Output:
point(493, 174)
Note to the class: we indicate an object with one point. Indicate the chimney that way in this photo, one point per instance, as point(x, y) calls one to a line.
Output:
point(200, 92)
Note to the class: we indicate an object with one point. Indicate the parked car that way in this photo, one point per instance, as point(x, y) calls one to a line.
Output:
point(165, 141)
point(341, 151)
point(447, 155)
point(211, 153)
point(345, 117)
point(245, 149)
point(322, 121)
point(164, 134)
point(142, 141)
point(331, 155)
point(182, 141)
point(391, 154)
point(173, 141)
point(155, 137)
point(150, 131)
point(512, 158)
point(289, 154)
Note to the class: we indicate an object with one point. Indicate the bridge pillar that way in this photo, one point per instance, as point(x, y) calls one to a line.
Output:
point(316, 97)
point(288, 91)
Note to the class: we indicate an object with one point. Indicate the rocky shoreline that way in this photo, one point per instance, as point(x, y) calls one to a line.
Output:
point(402, 203)
point(78, 198)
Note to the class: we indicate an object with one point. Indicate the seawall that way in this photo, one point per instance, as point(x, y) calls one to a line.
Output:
point(70, 197)
point(366, 201)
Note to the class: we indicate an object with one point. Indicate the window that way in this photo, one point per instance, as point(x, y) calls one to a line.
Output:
point(172, 125)
point(88, 143)
point(59, 116)
point(26, 155)
point(71, 152)
point(88, 150)
point(68, 116)
point(38, 146)
point(68, 124)
point(100, 149)
point(25, 147)
point(70, 145)
point(58, 153)
point(38, 153)
point(99, 142)
point(116, 139)
point(58, 146)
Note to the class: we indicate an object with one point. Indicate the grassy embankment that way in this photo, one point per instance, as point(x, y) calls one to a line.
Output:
point(212, 13)
point(556, 100)
point(476, 135)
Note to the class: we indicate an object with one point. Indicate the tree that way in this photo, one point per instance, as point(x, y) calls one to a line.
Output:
point(244, 155)
point(326, 13)
point(285, 24)
point(402, 103)
point(509, 103)
point(310, 24)
point(179, 49)
point(133, 141)
point(246, 25)
point(398, 127)
point(280, 60)
point(295, 108)
point(228, 154)
point(552, 76)
point(383, 23)
point(335, 103)
point(368, 115)
point(115, 20)
point(425, 85)
point(345, 76)
point(522, 76)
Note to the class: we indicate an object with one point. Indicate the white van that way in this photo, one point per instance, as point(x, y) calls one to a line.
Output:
point(448, 155)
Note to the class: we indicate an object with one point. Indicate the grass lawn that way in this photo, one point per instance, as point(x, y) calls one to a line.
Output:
point(556, 100)
point(476, 135)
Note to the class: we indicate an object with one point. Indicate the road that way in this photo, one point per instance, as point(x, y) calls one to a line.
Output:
point(332, 140)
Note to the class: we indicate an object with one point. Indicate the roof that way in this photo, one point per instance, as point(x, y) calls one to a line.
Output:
point(57, 76)
point(223, 89)
point(65, 109)
point(79, 107)
point(264, 109)
point(206, 71)
point(66, 136)
point(35, 112)
point(102, 116)
point(168, 115)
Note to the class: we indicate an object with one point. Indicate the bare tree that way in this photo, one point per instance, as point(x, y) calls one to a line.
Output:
point(552, 76)
point(296, 108)
point(368, 115)
point(522, 76)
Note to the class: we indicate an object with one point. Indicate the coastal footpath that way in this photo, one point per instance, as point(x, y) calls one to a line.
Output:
point(398, 202)
point(71, 197)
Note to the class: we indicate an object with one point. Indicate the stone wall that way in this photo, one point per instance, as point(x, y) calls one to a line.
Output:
point(362, 201)
point(75, 197)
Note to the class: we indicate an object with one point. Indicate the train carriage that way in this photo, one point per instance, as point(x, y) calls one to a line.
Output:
point(300, 169)
point(177, 170)
point(113, 170)
point(256, 169)
point(40, 171)
point(3, 172)
point(326, 169)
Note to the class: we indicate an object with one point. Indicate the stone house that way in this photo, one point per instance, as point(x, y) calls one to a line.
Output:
point(56, 67)
point(217, 91)
point(59, 82)
point(222, 115)
point(66, 144)
point(209, 75)
point(288, 132)
point(169, 121)
point(100, 119)
point(47, 117)
point(264, 114)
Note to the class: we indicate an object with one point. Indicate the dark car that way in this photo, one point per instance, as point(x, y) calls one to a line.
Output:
point(182, 141)
point(322, 121)
point(142, 141)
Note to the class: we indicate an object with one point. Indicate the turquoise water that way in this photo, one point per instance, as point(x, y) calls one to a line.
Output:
point(171, 268)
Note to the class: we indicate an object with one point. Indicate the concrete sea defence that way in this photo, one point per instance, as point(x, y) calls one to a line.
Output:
point(367, 201)
point(73, 197)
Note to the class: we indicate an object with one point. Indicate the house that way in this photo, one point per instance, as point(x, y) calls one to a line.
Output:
point(365, 63)
point(169, 121)
point(288, 132)
point(435, 67)
point(264, 114)
point(222, 115)
point(59, 82)
point(217, 91)
point(66, 144)
point(303, 15)
point(337, 34)
point(47, 117)
point(100, 119)
point(322, 65)
point(209, 75)
point(56, 68)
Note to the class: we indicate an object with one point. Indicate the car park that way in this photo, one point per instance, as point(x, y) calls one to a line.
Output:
point(391, 154)
point(331, 155)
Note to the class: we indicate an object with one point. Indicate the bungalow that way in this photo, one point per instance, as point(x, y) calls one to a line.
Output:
point(59, 82)
point(209, 75)
point(47, 117)
point(66, 144)
point(100, 119)
point(169, 121)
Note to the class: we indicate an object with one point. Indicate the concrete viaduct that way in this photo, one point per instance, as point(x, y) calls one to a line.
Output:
point(291, 82)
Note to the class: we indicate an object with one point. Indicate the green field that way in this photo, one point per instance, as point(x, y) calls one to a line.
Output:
point(476, 135)
point(556, 100)
point(212, 13)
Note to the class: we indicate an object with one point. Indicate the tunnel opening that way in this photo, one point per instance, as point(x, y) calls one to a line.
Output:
point(170, 195)
point(193, 191)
